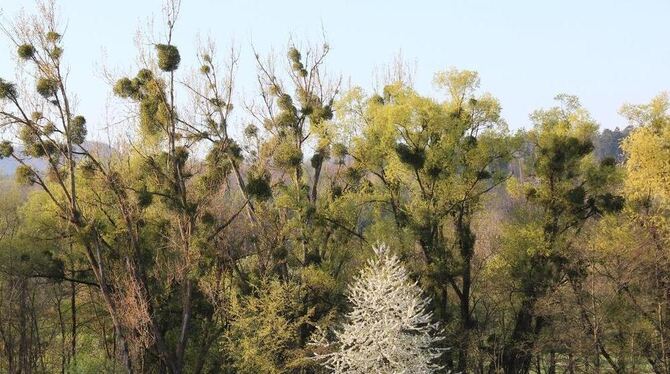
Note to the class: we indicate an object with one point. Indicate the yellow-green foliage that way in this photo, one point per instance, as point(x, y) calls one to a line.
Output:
point(647, 152)
point(258, 185)
point(168, 57)
point(287, 155)
point(6, 149)
point(568, 176)
point(53, 36)
point(46, 87)
point(259, 246)
point(7, 89)
point(263, 336)
point(149, 93)
point(25, 175)
point(26, 51)
point(77, 130)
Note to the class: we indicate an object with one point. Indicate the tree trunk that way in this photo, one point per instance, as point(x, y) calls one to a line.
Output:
point(24, 354)
point(73, 303)
point(517, 354)
point(466, 243)
point(552, 363)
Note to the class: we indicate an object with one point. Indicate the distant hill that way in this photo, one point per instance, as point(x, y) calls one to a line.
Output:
point(8, 165)
point(608, 143)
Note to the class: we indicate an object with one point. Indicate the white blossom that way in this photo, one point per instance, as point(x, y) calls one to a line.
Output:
point(389, 329)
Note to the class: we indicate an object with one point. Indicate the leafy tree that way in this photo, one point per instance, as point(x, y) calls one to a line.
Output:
point(142, 223)
point(647, 189)
point(303, 232)
point(431, 163)
point(264, 336)
point(187, 248)
point(647, 152)
point(567, 188)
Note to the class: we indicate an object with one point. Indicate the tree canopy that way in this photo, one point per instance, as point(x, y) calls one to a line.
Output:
point(231, 236)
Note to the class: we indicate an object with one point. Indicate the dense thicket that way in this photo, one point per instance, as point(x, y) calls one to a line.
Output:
point(184, 248)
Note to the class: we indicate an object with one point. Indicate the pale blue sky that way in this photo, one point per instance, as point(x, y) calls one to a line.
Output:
point(605, 52)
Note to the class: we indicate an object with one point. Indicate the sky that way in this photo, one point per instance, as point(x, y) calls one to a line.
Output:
point(606, 52)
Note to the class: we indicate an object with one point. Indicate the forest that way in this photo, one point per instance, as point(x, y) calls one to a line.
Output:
point(324, 227)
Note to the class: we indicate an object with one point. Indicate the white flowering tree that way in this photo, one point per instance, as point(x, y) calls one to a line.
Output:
point(388, 329)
